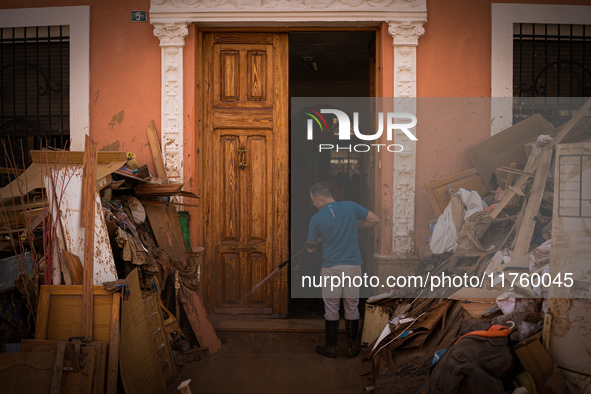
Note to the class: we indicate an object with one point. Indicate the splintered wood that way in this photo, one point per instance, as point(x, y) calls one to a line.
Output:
point(87, 221)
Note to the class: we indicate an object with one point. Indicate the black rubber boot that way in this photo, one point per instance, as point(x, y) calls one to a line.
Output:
point(331, 328)
point(352, 326)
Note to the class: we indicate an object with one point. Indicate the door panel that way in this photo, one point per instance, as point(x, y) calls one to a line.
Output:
point(256, 197)
point(246, 171)
point(256, 62)
point(230, 205)
point(245, 74)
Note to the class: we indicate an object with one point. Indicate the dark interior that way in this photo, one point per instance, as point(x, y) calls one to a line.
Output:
point(323, 64)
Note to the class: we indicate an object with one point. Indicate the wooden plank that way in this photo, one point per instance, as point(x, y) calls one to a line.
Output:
point(512, 171)
point(519, 220)
point(68, 184)
point(114, 337)
point(525, 231)
point(56, 381)
point(98, 376)
point(531, 167)
point(164, 204)
point(166, 235)
point(199, 322)
point(440, 197)
point(74, 157)
point(510, 176)
point(154, 189)
point(176, 228)
point(87, 221)
point(155, 149)
point(140, 369)
point(74, 265)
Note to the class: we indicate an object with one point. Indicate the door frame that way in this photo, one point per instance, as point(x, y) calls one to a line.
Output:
point(280, 285)
point(401, 21)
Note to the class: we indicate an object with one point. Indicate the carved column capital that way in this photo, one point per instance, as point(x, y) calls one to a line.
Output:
point(406, 32)
point(171, 34)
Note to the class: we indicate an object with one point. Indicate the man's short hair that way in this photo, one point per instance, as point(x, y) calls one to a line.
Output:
point(321, 189)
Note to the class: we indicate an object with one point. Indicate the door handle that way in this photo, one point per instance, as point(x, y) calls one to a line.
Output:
point(242, 158)
point(243, 247)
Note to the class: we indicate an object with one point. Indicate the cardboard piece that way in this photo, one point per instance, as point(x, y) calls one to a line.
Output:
point(440, 191)
point(546, 375)
point(376, 318)
point(483, 153)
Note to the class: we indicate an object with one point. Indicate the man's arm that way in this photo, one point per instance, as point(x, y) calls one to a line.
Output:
point(311, 246)
point(371, 220)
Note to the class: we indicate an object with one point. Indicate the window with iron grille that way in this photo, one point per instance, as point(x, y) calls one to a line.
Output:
point(34, 92)
point(550, 61)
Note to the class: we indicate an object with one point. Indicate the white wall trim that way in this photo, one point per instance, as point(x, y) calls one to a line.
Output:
point(269, 12)
point(405, 38)
point(503, 17)
point(78, 18)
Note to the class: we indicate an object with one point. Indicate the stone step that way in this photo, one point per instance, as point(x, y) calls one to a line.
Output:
point(247, 329)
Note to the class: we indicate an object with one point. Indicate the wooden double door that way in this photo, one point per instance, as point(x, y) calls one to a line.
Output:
point(245, 152)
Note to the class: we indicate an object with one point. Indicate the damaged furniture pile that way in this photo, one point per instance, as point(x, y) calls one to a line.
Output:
point(518, 225)
point(99, 286)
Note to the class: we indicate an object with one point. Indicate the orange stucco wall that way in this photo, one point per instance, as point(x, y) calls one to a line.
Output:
point(453, 60)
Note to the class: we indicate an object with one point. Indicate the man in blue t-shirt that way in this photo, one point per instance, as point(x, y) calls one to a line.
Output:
point(335, 225)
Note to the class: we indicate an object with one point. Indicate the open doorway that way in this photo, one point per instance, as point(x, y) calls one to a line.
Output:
point(328, 64)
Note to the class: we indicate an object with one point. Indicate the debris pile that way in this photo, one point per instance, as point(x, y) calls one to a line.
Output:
point(99, 285)
point(503, 224)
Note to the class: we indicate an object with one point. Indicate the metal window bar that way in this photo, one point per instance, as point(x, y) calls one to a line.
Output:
point(550, 61)
point(34, 95)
